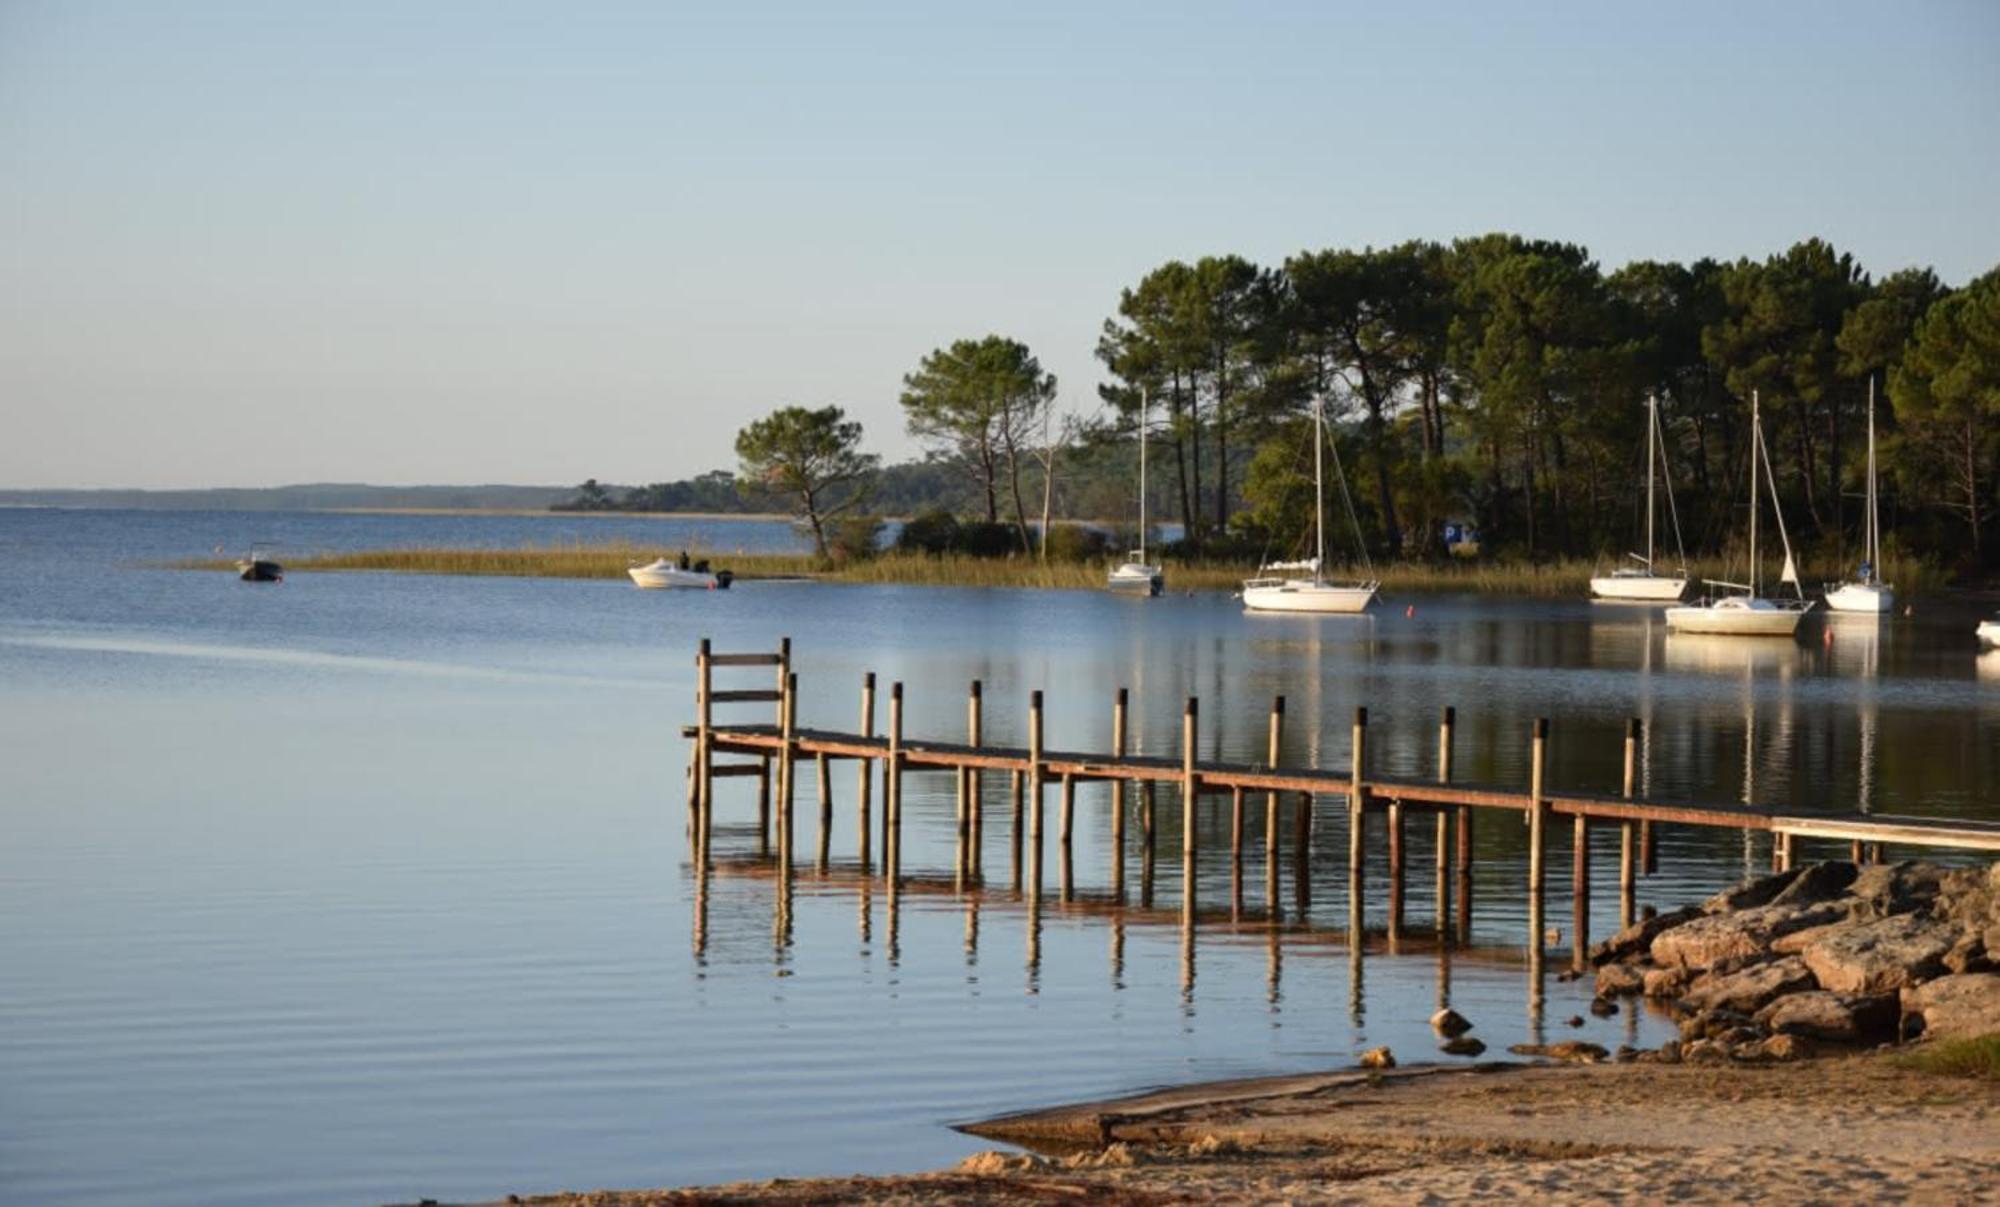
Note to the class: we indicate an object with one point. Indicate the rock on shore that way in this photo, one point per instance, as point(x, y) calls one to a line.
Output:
point(1827, 953)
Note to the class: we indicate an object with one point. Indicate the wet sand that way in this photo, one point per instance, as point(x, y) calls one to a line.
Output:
point(1856, 1128)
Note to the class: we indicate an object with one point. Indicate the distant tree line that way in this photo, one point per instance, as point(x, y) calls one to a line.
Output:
point(1497, 381)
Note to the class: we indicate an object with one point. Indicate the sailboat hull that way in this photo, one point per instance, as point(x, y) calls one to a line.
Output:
point(1644, 587)
point(1304, 595)
point(1136, 578)
point(1861, 597)
point(1737, 617)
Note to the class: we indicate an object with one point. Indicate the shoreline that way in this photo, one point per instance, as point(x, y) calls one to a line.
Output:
point(1610, 1132)
point(610, 561)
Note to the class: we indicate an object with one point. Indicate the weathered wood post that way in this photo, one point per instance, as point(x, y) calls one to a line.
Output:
point(1394, 818)
point(1068, 827)
point(1190, 810)
point(962, 782)
point(764, 804)
point(892, 789)
point(1443, 844)
point(974, 782)
point(1538, 837)
point(1236, 849)
point(1274, 742)
point(787, 770)
point(1014, 793)
point(1357, 797)
point(866, 785)
point(1148, 835)
point(1036, 782)
point(1628, 831)
point(704, 729)
point(1118, 741)
point(825, 812)
point(1579, 890)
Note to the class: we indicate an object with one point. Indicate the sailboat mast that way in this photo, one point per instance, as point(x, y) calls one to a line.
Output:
point(1142, 474)
point(1874, 520)
point(1756, 442)
point(1319, 491)
point(1652, 422)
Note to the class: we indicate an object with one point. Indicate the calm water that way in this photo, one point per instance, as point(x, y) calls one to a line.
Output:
point(368, 887)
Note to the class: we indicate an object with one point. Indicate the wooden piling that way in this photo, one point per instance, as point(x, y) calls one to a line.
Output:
point(892, 789)
point(1068, 867)
point(1190, 810)
point(1236, 848)
point(1118, 741)
point(867, 778)
point(764, 805)
point(1443, 852)
point(787, 769)
point(1357, 793)
point(1394, 818)
point(1579, 891)
point(1014, 794)
point(1148, 835)
point(825, 812)
point(1538, 837)
point(704, 742)
point(1036, 781)
point(1627, 836)
point(974, 783)
point(1274, 746)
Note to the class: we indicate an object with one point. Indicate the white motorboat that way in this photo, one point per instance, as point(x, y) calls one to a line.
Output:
point(668, 574)
point(1643, 582)
point(1135, 575)
point(1736, 609)
point(1284, 594)
point(1865, 592)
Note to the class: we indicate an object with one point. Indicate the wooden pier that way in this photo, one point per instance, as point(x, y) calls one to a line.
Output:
point(774, 751)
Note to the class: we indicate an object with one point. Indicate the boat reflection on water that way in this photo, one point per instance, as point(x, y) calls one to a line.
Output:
point(1708, 653)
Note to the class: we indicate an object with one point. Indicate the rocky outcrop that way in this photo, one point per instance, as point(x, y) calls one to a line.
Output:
point(1749, 990)
point(1848, 1018)
point(1957, 1007)
point(1879, 954)
point(1711, 938)
point(1450, 1023)
point(1824, 956)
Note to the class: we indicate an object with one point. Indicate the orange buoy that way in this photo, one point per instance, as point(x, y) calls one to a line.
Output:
point(1410, 611)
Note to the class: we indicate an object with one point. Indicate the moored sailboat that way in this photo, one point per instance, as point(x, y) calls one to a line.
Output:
point(1866, 592)
point(1135, 575)
point(1643, 582)
point(1737, 609)
point(1315, 594)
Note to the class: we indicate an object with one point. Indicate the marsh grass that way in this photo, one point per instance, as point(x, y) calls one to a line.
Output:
point(1546, 579)
point(1977, 1058)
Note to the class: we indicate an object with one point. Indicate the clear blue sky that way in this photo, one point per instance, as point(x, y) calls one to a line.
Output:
point(260, 242)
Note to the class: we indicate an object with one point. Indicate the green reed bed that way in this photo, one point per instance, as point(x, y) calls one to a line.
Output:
point(1547, 579)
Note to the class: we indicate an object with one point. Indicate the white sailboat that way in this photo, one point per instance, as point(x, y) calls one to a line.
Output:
point(1643, 581)
point(1315, 594)
point(1135, 575)
point(1749, 614)
point(1866, 592)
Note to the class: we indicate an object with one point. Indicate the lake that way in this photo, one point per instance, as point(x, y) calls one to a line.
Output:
point(365, 887)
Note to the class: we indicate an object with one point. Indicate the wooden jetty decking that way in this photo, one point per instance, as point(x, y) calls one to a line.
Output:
point(774, 751)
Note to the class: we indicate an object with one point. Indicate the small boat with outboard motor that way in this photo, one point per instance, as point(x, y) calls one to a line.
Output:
point(682, 574)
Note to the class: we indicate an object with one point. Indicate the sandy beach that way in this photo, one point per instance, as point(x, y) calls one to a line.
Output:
point(1858, 1128)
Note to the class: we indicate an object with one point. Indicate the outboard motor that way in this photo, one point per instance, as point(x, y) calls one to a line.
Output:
point(723, 578)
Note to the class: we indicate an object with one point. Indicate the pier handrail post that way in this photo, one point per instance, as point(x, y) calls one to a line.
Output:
point(1357, 793)
point(1118, 742)
point(1627, 838)
point(1273, 752)
point(865, 788)
point(787, 770)
point(1190, 808)
point(892, 792)
point(704, 724)
point(1035, 784)
point(974, 727)
point(1442, 853)
point(1538, 836)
